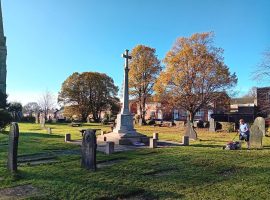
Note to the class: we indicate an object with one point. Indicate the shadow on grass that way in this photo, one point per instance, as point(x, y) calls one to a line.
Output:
point(40, 135)
point(207, 145)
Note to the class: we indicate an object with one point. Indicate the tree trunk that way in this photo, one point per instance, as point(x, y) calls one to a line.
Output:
point(143, 108)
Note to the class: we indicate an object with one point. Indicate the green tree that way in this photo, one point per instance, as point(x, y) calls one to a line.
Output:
point(144, 70)
point(88, 93)
point(195, 74)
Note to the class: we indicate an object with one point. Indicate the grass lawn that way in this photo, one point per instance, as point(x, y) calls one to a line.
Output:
point(199, 171)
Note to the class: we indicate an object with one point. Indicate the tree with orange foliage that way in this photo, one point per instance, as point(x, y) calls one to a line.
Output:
point(144, 70)
point(195, 74)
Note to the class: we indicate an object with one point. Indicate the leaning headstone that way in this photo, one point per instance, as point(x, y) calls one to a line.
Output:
point(89, 148)
point(67, 137)
point(212, 125)
point(109, 149)
point(13, 147)
point(155, 136)
point(153, 143)
point(256, 136)
point(260, 122)
point(49, 130)
point(185, 140)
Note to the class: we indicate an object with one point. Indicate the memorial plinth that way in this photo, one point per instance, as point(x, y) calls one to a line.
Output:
point(124, 132)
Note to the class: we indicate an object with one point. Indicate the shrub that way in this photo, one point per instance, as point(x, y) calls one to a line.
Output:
point(5, 119)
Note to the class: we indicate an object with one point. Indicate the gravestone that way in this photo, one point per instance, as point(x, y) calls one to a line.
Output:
point(49, 130)
point(155, 136)
point(37, 118)
point(42, 120)
point(260, 122)
point(109, 149)
point(67, 137)
point(13, 147)
point(89, 148)
point(212, 125)
point(153, 143)
point(256, 136)
point(140, 122)
point(190, 132)
point(185, 140)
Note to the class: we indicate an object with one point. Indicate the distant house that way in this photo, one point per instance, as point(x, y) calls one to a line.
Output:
point(263, 101)
point(157, 110)
point(245, 105)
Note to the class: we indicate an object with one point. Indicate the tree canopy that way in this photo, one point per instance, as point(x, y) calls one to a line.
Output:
point(88, 93)
point(195, 74)
point(144, 70)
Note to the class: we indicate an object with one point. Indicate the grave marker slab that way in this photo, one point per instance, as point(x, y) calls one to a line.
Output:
point(67, 137)
point(13, 147)
point(153, 143)
point(260, 122)
point(155, 136)
point(89, 148)
point(256, 136)
point(109, 149)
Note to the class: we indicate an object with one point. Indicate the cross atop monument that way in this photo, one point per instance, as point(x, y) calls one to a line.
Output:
point(127, 57)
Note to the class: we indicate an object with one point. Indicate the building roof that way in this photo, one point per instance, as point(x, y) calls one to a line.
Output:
point(245, 100)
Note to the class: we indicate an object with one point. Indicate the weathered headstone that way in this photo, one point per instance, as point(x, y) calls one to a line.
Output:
point(155, 136)
point(13, 147)
point(140, 122)
point(256, 136)
point(37, 118)
point(89, 148)
point(260, 122)
point(153, 143)
point(212, 125)
point(190, 132)
point(109, 149)
point(42, 120)
point(49, 130)
point(185, 140)
point(67, 137)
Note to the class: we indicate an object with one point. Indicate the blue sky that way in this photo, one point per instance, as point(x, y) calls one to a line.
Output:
point(48, 40)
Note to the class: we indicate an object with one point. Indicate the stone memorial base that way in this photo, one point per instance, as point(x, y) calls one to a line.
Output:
point(124, 138)
point(124, 132)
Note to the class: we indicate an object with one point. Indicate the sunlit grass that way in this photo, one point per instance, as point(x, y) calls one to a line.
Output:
point(200, 171)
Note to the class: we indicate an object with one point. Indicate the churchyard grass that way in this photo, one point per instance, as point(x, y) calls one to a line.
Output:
point(199, 171)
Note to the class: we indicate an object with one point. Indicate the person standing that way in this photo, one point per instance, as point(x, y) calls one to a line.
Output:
point(244, 132)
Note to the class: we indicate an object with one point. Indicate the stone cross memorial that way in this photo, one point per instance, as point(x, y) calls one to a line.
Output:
point(13, 147)
point(124, 132)
point(89, 148)
point(256, 136)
